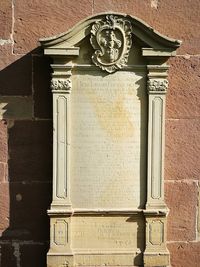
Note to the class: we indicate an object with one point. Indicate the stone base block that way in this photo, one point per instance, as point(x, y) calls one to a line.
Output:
point(94, 259)
point(156, 259)
point(55, 260)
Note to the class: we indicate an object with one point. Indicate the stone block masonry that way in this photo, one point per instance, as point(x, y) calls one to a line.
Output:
point(26, 122)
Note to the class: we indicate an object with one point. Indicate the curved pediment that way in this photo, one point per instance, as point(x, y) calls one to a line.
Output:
point(150, 37)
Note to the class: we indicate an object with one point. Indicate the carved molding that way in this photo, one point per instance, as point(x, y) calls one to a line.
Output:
point(156, 148)
point(112, 40)
point(60, 232)
point(157, 85)
point(61, 84)
point(61, 146)
point(156, 232)
point(141, 30)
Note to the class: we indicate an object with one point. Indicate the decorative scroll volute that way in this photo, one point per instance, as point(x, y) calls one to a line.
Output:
point(112, 40)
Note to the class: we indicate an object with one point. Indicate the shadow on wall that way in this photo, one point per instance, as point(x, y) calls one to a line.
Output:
point(25, 193)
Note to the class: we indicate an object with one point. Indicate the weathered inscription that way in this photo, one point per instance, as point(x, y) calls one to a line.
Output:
point(107, 147)
point(102, 233)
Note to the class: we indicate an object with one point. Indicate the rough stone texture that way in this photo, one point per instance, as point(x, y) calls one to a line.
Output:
point(184, 94)
point(33, 20)
point(185, 254)
point(182, 157)
point(6, 52)
point(7, 258)
point(15, 74)
point(4, 206)
point(181, 198)
point(178, 19)
point(3, 172)
point(28, 205)
point(30, 150)
point(198, 214)
point(3, 142)
point(41, 86)
point(15, 107)
point(5, 19)
point(34, 252)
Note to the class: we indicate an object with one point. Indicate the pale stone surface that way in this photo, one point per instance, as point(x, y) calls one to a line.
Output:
point(108, 140)
point(106, 233)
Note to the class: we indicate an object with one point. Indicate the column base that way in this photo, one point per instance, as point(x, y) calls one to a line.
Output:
point(154, 259)
point(60, 260)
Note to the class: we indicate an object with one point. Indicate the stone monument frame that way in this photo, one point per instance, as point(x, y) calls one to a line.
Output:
point(64, 49)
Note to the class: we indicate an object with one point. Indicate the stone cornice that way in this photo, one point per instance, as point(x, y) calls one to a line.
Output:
point(143, 31)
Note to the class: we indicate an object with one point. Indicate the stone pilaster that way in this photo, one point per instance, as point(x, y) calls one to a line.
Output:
point(157, 87)
point(61, 87)
point(60, 253)
point(60, 212)
point(156, 253)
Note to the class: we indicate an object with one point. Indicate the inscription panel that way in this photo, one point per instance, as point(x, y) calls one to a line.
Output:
point(108, 140)
point(108, 233)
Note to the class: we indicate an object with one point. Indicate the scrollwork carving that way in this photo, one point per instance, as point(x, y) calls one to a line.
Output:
point(157, 85)
point(58, 84)
point(112, 40)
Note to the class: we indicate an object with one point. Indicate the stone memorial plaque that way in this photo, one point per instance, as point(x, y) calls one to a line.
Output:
point(109, 83)
point(107, 233)
point(108, 169)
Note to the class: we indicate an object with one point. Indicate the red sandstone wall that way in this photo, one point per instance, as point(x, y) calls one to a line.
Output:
point(26, 130)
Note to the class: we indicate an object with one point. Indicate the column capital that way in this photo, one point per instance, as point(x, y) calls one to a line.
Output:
point(157, 86)
point(61, 85)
